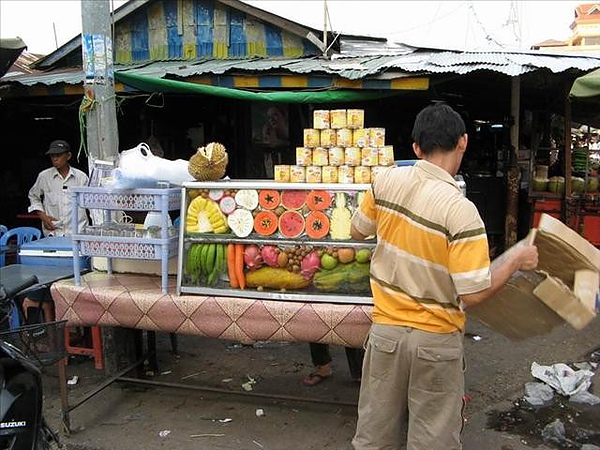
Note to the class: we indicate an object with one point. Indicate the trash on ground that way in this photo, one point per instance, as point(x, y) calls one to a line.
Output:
point(73, 380)
point(566, 381)
point(476, 337)
point(164, 433)
point(247, 386)
point(226, 380)
point(225, 420)
point(185, 377)
point(166, 372)
point(258, 444)
point(538, 393)
point(260, 412)
point(207, 435)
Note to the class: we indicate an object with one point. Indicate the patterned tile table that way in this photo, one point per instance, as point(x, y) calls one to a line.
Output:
point(136, 301)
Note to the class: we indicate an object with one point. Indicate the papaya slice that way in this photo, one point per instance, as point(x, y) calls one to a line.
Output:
point(265, 223)
point(293, 199)
point(318, 200)
point(268, 198)
point(291, 224)
point(317, 224)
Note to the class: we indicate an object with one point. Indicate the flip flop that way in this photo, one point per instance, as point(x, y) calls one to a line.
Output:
point(313, 379)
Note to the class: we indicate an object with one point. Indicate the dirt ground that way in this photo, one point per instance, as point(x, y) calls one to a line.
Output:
point(279, 413)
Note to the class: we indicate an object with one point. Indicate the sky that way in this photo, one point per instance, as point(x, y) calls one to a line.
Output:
point(45, 25)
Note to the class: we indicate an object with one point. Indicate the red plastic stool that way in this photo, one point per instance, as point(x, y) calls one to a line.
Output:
point(95, 350)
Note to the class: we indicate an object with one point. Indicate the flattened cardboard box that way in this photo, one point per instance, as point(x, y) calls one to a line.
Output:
point(533, 303)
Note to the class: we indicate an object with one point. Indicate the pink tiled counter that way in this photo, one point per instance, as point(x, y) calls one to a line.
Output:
point(136, 301)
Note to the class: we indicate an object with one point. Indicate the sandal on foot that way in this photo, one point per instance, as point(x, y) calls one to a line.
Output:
point(313, 379)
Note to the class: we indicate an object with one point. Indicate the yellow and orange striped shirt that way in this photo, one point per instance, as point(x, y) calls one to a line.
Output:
point(431, 247)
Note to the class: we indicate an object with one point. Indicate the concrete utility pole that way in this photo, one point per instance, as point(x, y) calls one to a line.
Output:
point(99, 86)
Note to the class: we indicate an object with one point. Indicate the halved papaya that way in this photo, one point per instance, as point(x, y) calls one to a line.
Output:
point(293, 199)
point(265, 223)
point(318, 200)
point(268, 198)
point(317, 224)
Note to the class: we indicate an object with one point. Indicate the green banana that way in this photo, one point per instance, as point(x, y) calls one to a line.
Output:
point(210, 258)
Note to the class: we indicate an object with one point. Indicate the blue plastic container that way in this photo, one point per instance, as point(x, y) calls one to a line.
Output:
point(51, 251)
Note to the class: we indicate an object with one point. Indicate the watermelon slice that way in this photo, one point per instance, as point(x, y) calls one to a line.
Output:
point(318, 200)
point(265, 223)
point(293, 199)
point(291, 224)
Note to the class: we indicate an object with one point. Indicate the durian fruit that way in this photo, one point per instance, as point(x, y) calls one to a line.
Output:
point(209, 163)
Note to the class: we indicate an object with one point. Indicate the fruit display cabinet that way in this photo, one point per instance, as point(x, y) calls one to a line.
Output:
point(272, 240)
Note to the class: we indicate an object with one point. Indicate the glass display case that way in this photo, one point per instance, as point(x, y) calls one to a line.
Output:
point(114, 239)
point(269, 240)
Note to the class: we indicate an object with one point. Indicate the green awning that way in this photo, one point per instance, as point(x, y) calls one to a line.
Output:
point(151, 84)
point(587, 87)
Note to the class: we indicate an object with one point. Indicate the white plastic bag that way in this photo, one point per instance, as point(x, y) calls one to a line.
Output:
point(139, 168)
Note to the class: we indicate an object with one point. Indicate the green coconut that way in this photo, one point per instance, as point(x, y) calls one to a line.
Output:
point(539, 184)
point(577, 185)
point(556, 184)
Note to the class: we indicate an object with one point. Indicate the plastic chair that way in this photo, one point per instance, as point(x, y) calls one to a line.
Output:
point(3, 229)
point(15, 238)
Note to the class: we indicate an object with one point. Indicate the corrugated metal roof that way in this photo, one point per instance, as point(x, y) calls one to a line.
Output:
point(406, 61)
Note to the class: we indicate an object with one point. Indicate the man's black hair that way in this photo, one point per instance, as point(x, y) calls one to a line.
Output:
point(437, 128)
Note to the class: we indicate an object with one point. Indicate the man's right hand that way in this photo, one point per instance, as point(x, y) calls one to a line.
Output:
point(528, 257)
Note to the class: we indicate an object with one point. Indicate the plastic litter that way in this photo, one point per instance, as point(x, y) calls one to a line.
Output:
point(164, 433)
point(567, 381)
point(260, 412)
point(247, 386)
point(73, 380)
point(537, 394)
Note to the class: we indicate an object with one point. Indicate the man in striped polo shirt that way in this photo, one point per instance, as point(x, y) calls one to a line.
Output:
point(430, 263)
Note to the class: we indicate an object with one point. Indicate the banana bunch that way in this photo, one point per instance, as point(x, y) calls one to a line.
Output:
point(205, 262)
point(205, 216)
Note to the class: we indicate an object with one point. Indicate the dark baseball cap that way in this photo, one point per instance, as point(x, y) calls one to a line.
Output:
point(57, 147)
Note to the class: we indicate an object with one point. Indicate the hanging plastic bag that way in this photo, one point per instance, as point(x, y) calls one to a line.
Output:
point(139, 168)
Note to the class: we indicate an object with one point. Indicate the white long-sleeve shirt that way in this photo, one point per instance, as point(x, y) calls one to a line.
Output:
point(50, 194)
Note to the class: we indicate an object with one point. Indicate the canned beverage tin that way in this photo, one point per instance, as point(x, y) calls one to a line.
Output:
point(329, 174)
point(336, 156)
point(328, 138)
point(320, 156)
point(369, 156)
point(345, 174)
point(313, 174)
point(297, 174)
point(303, 156)
point(362, 174)
point(344, 137)
point(338, 118)
point(312, 137)
point(377, 137)
point(386, 155)
point(282, 173)
point(360, 137)
point(355, 118)
point(352, 156)
point(321, 119)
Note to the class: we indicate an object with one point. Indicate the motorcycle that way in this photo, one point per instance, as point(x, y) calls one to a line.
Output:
point(23, 353)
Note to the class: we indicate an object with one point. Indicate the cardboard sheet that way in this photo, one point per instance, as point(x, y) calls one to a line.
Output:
point(533, 303)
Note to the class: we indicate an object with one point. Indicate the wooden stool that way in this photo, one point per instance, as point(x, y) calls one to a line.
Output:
point(95, 350)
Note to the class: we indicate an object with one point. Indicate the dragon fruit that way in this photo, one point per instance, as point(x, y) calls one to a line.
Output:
point(252, 257)
point(269, 254)
point(310, 264)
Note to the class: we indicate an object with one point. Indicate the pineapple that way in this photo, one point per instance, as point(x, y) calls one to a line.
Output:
point(341, 218)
